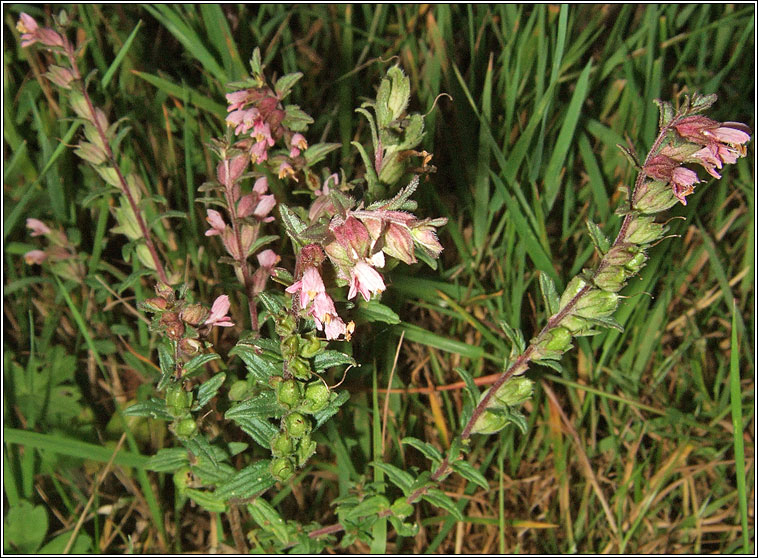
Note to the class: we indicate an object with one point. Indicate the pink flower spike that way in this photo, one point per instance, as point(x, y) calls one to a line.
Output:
point(218, 315)
point(37, 227)
point(216, 221)
point(366, 280)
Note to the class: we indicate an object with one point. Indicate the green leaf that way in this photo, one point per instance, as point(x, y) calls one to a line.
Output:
point(206, 500)
point(168, 460)
point(327, 359)
point(202, 449)
point(296, 119)
point(260, 367)
point(259, 429)
point(82, 545)
point(316, 152)
point(272, 303)
point(426, 448)
point(470, 473)
point(152, 408)
point(337, 400)
point(248, 482)
point(24, 528)
point(197, 362)
point(402, 479)
point(514, 335)
point(404, 529)
point(600, 241)
point(266, 516)
point(166, 360)
point(371, 506)
point(373, 311)
point(441, 500)
point(208, 390)
point(549, 294)
point(263, 405)
point(293, 225)
point(284, 84)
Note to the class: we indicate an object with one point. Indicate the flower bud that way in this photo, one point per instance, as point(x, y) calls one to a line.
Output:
point(515, 391)
point(289, 393)
point(285, 325)
point(282, 445)
point(296, 425)
point(282, 469)
point(165, 292)
point(637, 262)
point(596, 304)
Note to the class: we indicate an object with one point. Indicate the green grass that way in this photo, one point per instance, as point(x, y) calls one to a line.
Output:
point(649, 422)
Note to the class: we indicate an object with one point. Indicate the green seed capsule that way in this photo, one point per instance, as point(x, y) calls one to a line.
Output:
point(186, 428)
point(316, 397)
point(310, 347)
point(289, 393)
point(560, 338)
point(289, 346)
point(182, 478)
point(282, 469)
point(296, 425)
point(300, 368)
point(282, 445)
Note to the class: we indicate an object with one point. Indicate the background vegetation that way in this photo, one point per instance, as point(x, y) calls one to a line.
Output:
point(642, 445)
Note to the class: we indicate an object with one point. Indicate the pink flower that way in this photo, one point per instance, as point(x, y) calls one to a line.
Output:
point(218, 315)
point(682, 180)
point(297, 144)
point(216, 222)
point(37, 227)
point(259, 152)
point(308, 286)
point(266, 260)
point(285, 170)
point(35, 257)
point(236, 100)
point(33, 33)
point(366, 280)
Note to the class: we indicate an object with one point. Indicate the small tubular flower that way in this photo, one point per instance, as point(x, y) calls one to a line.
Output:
point(216, 221)
point(366, 280)
point(218, 315)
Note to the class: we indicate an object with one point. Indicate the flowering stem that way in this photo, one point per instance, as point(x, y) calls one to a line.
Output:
point(521, 364)
point(242, 256)
point(69, 49)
